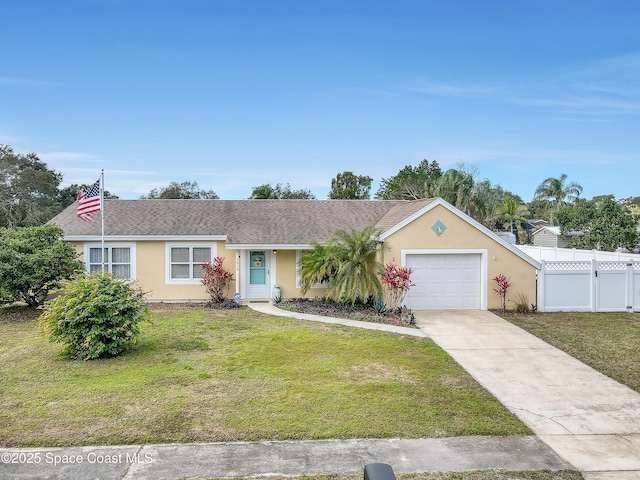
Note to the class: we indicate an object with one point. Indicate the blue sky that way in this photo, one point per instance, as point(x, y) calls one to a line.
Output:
point(237, 93)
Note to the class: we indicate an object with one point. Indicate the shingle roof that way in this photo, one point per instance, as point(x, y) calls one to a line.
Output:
point(399, 212)
point(250, 222)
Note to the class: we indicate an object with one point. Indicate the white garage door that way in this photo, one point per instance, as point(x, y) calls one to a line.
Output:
point(444, 281)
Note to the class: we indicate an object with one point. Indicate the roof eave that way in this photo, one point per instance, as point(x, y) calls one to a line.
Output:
point(268, 246)
point(140, 238)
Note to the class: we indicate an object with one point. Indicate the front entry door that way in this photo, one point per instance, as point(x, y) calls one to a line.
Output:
point(258, 274)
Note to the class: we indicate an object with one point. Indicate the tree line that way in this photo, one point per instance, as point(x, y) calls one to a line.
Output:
point(30, 194)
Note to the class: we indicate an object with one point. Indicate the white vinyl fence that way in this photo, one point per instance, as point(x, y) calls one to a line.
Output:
point(589, 286)
point(558, 254)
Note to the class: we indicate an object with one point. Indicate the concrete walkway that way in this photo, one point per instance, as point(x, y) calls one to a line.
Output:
point(273, 310)
point(589, 419)
point(245, 459)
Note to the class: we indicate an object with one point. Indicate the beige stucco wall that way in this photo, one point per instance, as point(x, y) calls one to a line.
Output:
point(151, 262)
point(79, 247)
point(286, 273)
point(286, 276)
point(461, 235)
point(151, 265)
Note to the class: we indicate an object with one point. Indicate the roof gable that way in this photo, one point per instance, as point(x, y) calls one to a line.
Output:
point(548, 229)
point(555, 230)
point(466, 218)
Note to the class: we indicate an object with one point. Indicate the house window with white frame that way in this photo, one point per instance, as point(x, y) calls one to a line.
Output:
point(118, 259)
point(185, 262)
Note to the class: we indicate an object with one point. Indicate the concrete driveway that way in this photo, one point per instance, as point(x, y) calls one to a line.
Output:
point(590, 420)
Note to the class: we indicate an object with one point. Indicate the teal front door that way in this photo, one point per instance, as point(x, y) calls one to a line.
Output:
point(258, 274)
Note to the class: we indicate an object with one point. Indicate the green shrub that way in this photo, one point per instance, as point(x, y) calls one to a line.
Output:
point(33, 261)
point(96, 316)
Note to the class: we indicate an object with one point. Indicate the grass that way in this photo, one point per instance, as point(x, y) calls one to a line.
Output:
point(207, 375)
point(608, 342)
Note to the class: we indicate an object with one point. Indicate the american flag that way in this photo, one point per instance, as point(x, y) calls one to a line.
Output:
point(89, 202)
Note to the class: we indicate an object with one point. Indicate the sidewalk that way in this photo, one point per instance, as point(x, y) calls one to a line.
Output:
point(590, 420)
point(244, 459)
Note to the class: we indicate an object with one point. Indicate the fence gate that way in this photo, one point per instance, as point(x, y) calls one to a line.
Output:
point(589, 286)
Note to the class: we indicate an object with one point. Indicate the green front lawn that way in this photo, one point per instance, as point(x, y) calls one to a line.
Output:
point(608, 342)
point(204, 375)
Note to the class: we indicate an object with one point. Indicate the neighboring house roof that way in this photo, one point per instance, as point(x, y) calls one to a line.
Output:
point(552, 230)
point(533, 223)
point(556, 231)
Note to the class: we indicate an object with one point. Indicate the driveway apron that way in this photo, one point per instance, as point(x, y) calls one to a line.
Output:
point(590, 420)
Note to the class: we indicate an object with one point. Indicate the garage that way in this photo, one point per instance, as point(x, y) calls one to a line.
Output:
point(445, 281)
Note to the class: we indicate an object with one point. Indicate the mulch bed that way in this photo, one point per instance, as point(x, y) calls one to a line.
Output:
point(226, 305)
point(301, 305)
point(341, 310)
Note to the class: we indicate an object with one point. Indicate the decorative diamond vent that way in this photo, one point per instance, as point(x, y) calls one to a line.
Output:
point(438, 227)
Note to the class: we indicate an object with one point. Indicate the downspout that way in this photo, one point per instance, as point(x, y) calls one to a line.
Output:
point(237, 271)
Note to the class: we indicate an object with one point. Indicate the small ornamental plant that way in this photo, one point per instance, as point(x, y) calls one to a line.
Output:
point(216, 280)
point(397, 282)
point(502, 286)
point(96, 316)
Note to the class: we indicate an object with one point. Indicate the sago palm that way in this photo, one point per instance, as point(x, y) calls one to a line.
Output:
point(316, 266)
point(357, 276)
point(349, 261)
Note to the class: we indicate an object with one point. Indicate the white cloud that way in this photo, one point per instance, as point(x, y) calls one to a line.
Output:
point(452, 89)
point(522, 158)
point(604, 87)
point(67, 156)
point(588, 104)
point(27, 82)
point(11, 140)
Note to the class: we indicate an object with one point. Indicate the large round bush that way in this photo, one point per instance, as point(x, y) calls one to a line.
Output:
point(96, 316)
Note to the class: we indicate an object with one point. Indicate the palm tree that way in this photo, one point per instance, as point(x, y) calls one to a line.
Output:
point(485, 199)
point(510, 210)
point(559, 192)
point(456, 187)
point(478, 199)
point(350, 263)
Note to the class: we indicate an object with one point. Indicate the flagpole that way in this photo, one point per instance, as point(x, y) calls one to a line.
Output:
point(102, 216)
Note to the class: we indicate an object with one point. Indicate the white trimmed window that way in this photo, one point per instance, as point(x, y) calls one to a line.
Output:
point(119, 259)
point(185, 261)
